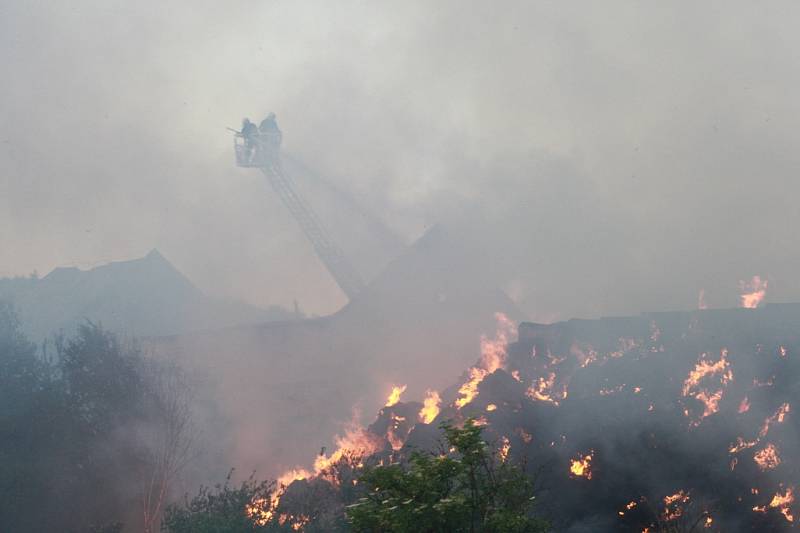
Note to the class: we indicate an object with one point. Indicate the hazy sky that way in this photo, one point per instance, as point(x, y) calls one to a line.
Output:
point(610, 157)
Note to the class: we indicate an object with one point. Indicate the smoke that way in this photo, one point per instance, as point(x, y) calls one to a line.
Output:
point(609, 158)
point(601, 159)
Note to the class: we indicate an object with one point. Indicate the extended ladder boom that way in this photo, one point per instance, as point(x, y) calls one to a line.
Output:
point(261, 148)
point(331, 256)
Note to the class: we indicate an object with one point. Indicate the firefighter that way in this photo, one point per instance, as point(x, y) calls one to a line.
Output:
point(249, 133)
point(269, 129)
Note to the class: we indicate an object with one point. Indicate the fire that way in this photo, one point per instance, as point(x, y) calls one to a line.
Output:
point(655, 331)
point(299, 522)
point(753, 292)
point(430, 407)
point(542, 390)
point(704, 370)
point(711, 402)
point(505, 447)
point(766, 454)
point(259, 511)
point(625, 345)
point(469, 390)
point(673, 505)
point(493, 357)
point(292, 475)
point(744, 405)
point(630, 505)
point(491, 407)
point(782, 503)
point(493, 351)
point(585, 356)
point(582, 466)
point(394, 396)
point(779, 417)
point(355, 440)
point(768, 458)
point(395, 441)
point(742, 444)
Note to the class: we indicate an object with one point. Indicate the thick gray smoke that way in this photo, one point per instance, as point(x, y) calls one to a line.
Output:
point(610, 158)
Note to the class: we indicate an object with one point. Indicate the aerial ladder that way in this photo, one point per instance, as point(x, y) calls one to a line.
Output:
point(261, 149)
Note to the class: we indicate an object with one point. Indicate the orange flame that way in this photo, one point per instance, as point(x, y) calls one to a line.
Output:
point(481, 421)
point(779, 417)
point(582, 466)
point(742, 444)
point(782, 503)
point(469, 390)
point(542, 390)
point(744, 405)
point(493, 357)
point(395, 440)
point(673, 505)
point(630, 505)
point(768, 458)
point(753, 292)
point(505, 447)
point(430, 407)
point(260, 510)
point(355, 440)
point(394, 396)
point(586, 355)
point(702, 371)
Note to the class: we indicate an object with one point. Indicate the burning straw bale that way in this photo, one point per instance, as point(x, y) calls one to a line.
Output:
point(663, 422)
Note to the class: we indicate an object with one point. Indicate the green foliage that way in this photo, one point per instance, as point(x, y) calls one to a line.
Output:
point(222, 509)
point(467, 489)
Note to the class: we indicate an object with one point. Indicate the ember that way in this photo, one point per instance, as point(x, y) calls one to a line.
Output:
point(582, 466)
point(768, 458)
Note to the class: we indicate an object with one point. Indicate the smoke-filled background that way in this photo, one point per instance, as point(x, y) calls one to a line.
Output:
point(607, 157)
point(482, 165)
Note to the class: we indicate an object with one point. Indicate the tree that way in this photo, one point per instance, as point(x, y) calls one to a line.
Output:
point(466, 488)
point(224, 509)
point(167, 438)
point(29, 405)
point(77, 428)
